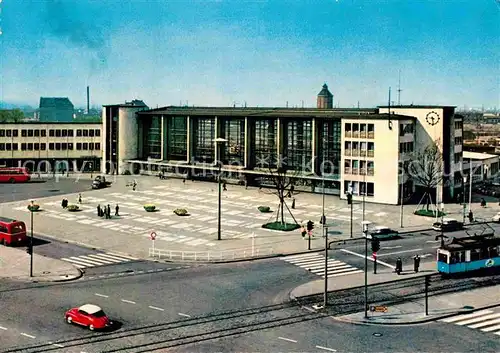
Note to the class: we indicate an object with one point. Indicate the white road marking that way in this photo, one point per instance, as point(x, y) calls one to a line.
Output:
point(368, 257)
point(398, 252)
point(156, 308)
point(425, 255)
point(78, 262)
point(56, 344)
point(3, 328)
point(122, 256)
point(102, 295)
point(26, 335)
point(185, 315)
point(326, 348)
point(287, 339)
point(128, 301)
point(432, 241)
point(466, 316)
point(391, 247)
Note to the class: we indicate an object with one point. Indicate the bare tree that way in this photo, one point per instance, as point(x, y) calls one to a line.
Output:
point(426, 169)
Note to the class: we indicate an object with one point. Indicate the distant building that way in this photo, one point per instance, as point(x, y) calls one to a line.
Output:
point(56, 109)
point(324, 100)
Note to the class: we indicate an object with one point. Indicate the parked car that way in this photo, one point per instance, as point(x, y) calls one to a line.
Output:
point(448, 225)
point(496, 218)
point(88, 315)
point(384, 233)
point(100, 182)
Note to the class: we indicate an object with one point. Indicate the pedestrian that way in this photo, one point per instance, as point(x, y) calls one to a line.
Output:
point(416, 263)
point(160, 175)
point(62, 204)
point(109, 211)
point(246, 184)
point(399, 266)
point(184, 180)
point(483, 202)
point(224, 186)
point(116, 210)
point(79, 198)
point(98, 210)
point(134, 185)
point(293, 203)
point(471, 216)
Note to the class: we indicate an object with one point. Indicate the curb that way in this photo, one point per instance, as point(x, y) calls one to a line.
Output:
point(415, 322)
point(41, 280)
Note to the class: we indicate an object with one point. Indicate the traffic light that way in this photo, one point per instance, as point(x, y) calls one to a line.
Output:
point(375, 245)
point(310, 226)
point(349, 199)
point(29, 250)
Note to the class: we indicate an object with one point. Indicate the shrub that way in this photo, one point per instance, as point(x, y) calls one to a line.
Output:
point(126, 172)
point(285, 227)
point(150, 208)
point(73, 208)
point(428, 213)
point(264, 209)
point(33, 207)
point(181, 212)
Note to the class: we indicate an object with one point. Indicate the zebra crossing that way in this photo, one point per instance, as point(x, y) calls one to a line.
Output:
point(487, 321)
point(315, 263)
point(98, 259)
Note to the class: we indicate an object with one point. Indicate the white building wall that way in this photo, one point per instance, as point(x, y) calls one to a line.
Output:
point(127, 136)
point(104, 134)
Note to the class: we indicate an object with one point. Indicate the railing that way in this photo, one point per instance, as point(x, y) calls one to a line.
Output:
point(371, 153)
point(355, 134)
point(362, 134)
point(347, 133)
point(208, 256)
point(371, 134)
point(362, 153)
point(371, 171)
point(347, 170)
point(362, 171)
point(347, 152)
point(355, 153)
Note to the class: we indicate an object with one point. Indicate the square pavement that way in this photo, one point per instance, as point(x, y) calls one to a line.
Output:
point(241, 220)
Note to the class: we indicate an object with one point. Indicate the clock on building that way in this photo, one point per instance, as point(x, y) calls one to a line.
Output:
point(432, 118)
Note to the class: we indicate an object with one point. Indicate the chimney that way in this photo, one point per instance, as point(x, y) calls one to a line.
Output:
point(88, 99)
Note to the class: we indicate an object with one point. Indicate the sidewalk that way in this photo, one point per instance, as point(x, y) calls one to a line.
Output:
point(15, 264)
point(412, 312)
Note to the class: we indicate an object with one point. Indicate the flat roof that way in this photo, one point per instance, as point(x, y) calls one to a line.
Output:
point(417, 106)
point(478, 155)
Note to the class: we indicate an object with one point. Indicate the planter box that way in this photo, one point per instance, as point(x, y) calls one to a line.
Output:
point(73, 208)
point(33, 208)
point(150, 208)
point(264, 209)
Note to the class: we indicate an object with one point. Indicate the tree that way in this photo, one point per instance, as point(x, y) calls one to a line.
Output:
point(283, 178)
point(11, 116)
point(426, 169)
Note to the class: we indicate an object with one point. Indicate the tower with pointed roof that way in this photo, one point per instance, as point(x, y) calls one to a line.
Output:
point(325, 98)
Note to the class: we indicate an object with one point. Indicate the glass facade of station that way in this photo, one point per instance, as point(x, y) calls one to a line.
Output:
point(152, 137)
point(177, 138)
point(204, 135)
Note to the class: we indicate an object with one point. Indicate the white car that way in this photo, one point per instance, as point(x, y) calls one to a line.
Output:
point(496, 218)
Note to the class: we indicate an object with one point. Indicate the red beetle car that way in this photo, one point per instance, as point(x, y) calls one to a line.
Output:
point(88, 315)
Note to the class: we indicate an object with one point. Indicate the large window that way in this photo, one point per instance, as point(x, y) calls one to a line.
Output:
point(204, 140)
point(152, 134)
point(234, 148)
point(177, 138)
point(330, 147)
point(264, 148)
point(298, 147)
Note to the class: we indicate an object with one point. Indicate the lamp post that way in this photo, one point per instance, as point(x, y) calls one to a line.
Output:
point(365, 233)
point(349, 192)
point(470, 184)
point(31, 239)
point(402, 199)
point(442, 232)
point(463, 199)
point(325, 297)
point(218, 142)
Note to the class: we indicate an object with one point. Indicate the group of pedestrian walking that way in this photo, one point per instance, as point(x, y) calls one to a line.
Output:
point(105, 211)
point(399, 264)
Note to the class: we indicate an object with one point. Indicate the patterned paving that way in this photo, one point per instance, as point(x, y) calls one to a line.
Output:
point(487, 321)
point(98, 259)
point(315, 263)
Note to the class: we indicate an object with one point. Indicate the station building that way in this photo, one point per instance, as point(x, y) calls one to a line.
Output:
point(361, 151)
point(51, 146)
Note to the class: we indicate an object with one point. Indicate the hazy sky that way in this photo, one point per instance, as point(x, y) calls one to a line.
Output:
point(264, 53)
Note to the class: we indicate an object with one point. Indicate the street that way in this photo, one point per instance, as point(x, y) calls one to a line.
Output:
point(227, 307)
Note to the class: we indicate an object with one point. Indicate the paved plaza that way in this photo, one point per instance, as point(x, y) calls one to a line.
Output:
point(241, 221)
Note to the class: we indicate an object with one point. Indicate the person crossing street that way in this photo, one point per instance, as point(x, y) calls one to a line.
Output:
point(416, 263)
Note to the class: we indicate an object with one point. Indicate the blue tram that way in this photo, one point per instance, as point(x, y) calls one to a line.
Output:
point(469, 254)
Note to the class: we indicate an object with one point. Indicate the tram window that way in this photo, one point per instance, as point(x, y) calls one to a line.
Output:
point(475, 254)
point(443, 258)
point(493, 251)
point(457, 257)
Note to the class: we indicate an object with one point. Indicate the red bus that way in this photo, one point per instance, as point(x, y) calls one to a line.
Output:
point(14, 175)
point(12, 232)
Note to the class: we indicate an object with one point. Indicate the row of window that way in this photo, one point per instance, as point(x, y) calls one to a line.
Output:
point(52, 133)
point(458, 140)
point(52, 146)
point(354, 166)
point(459, 125)
point(359, 188)
point(359, 148)
point(359, 130)
point(457, 158)
point(405, 147)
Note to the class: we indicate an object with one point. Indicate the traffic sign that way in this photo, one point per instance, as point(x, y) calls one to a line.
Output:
point(379, 309)
point(153, 235)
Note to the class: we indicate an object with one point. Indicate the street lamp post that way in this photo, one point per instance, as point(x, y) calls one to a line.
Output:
point(463, 199)
point(349, 192)
point(442, 231)
point(365, 233)
point(218, 142)
point(31, 241)
point(470, 184)
point(402, 200)
point(325, 297)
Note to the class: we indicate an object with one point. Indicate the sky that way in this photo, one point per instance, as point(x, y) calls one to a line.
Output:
point(259, 53)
